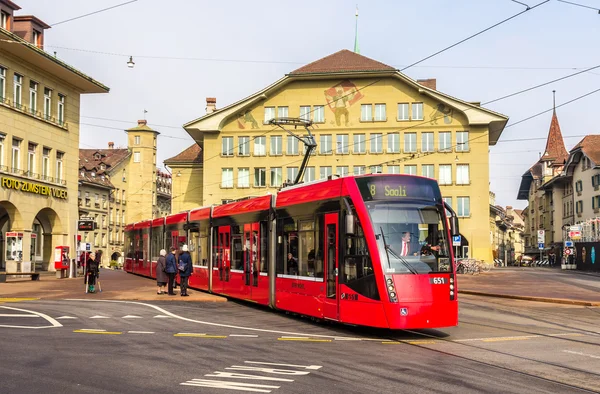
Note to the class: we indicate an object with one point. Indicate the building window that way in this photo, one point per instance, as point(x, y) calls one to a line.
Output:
point(18, 91)
point(59, 167)
point(325, 172)
point(448, 200)
point(260, 175)
point(427, 142)
point(227, 146)
point(410, 170)
point(342, 170)
point(61, 109)
point(579, 207)
point(359, 170)
point(319, 114)
point(376, 169)
point(462, 174)
point(282, 112)
point(393, 169)
point(309, 174)
point(463, 207)
point(16, 155)
point(4, 20)
point(45, 163)
point(292, 173)
point(462, 141)
point(244, 146)
point(276, 145)
point(276, 177)
point(403, 111)
point(31, 158)
point(376, 143)
point(47, 103)
point(393, 143)
point(227, 178)
point(305, 112)
point(366, 112)
point(325, 144)
point(136, 157)
point(33, 87)
point(427, 171)
point(380, 113)
point(2, 83)
point(417, 111)
point(136, 140)
point(2, 138)
point(292, 145)
point(269, 114)
point(341, 147)
point(445, 175)
point(359, 143)
point(260, 148)
point(410, 142)
point(445, 141)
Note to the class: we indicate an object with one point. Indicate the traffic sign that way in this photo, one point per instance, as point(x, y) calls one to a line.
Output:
point(568, 244)
point(568, 251)
point(541, 236)
point(456, 240)
point(540, 246)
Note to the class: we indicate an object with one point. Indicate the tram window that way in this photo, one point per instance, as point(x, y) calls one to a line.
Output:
point(264, 249)
point(300, 238)
point(358, 271)
point(202, 254)
point(237, 252)
point(215, 248)
point(157, 243)
point(129, 245)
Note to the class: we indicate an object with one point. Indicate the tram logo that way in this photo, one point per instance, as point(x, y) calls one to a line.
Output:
point(403, 311)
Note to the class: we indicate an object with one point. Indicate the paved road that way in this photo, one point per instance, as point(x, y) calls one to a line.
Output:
point(87, 346)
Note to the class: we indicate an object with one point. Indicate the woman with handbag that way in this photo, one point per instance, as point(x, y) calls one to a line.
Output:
point(161, 275)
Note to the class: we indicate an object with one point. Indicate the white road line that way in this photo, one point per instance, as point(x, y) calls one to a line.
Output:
point(243, 335)
point(16, 315)
point(169, 314)
point(66, 317)
point(131, 317)
point(498, 338)
point(581, 354)
point(348, 339)
point(50, 320)
point(99, 317)
point(160, 316)
point(140, 332)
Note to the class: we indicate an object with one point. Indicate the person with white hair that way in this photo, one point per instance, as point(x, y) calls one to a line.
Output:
point(161, 274)
point(93, 271)
point(185, 268)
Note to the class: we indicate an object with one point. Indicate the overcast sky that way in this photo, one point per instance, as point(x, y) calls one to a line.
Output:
point(257, 42)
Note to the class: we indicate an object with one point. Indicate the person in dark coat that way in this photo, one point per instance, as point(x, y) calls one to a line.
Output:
point(185, 259)
point(93, 272)
point(161, 275)
point(171, 269)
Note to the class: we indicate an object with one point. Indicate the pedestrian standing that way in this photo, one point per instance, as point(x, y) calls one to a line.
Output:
point(171, 270)
point(161, 274)
point(93, 272)
point(185, 269)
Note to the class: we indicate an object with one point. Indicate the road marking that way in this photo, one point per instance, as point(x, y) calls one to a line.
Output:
point(160, 317)
point(140, 332)
point(16, 315)
point(131, 317)
point(98, 332)
point(421, 342)
point(243, 335)
point(66, 317)
point(9, 299)
point(53, 322)
point(581, 354)
point(567, 334)
point(90, 329)
point(99, 317)
point(312, 367)
point(303, 339)
point(284, 337)
point(188, 334)
point(501, 339)
point(392, 343)
point(348, 339)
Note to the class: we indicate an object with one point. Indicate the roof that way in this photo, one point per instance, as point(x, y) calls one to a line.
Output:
point(535, 172)
point(192, 155)
point(555, 145)
point(111, 158)
point(142, 126)
point(590, 145)
point(10, 4)
point(36, 20)
point(343, 61)
point(519, 212)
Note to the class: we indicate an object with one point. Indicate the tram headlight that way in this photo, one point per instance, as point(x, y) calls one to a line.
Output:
point(451, 287)
point(389, 281)
point(451, 292)
point(391, 288)
point(392, 295)
point(451, 279)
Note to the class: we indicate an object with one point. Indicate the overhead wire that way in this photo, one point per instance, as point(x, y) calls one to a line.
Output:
point(93, 13)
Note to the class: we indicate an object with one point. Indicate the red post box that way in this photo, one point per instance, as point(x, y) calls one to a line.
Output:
point(61, 258)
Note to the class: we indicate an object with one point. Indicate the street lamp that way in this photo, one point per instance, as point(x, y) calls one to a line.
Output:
point(130, 63)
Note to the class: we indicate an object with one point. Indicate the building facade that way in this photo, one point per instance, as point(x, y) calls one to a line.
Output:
point(367, 118)
point(506, 233)
point(39, 144)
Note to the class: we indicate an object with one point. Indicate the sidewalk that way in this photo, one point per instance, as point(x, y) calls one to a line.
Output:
point(534, 284)
point(116, 285)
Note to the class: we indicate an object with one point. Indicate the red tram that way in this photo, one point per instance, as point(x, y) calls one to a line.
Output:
point(371, 250)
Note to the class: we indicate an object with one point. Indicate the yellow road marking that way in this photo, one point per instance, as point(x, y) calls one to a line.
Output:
point(424, 342)
point(8, 299)
point(198, 335)
point(304, 339)
point(505, 339)
point(98, 332)
point(391, 343)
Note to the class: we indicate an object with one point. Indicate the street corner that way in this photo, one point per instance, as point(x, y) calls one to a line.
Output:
point(12, 317)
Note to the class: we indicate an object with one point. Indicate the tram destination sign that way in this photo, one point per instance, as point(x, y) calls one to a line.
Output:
point(398, 187)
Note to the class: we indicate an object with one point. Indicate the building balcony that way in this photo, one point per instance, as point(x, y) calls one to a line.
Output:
point(6, 102)
point(32, 175)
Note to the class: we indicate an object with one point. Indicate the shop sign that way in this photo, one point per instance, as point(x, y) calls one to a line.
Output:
point(34, 188)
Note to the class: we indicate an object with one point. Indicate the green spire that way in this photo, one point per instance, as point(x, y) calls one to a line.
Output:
point(356, 48)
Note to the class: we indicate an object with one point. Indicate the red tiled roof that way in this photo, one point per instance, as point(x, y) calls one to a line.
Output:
point(107, 159)
point(343, 61)
point(519, 212)
point(590, 145)
point(193, 154)
point(555, 145)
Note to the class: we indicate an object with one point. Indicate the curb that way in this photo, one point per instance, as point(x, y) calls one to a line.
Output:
point(529, 298)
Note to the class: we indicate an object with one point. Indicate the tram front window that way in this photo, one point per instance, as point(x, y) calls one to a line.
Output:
point(411, 238)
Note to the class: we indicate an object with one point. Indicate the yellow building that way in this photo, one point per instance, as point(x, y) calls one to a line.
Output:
point(506, 233)
point(39, 144)
point(367, 117)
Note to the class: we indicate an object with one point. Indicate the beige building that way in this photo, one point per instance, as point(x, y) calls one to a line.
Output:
point(367, 118)
point(39, 144)
point(506, 233)
point(119, 186)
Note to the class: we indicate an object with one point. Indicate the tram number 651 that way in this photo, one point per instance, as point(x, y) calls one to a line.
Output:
point(437, 281)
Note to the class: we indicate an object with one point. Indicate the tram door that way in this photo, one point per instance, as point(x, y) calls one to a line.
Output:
point(251, 257)
point(222, 259)
point(330, 303)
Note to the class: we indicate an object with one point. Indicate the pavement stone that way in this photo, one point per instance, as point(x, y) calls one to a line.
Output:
point(116, 285)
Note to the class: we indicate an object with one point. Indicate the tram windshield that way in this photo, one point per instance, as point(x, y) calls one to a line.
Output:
point(411, 237)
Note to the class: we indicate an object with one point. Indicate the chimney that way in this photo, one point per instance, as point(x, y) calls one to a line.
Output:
point(111, 145)
point(7, 8)
point(31, 29)
point(428, 83)
point(211, 104)
point(142, 122)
